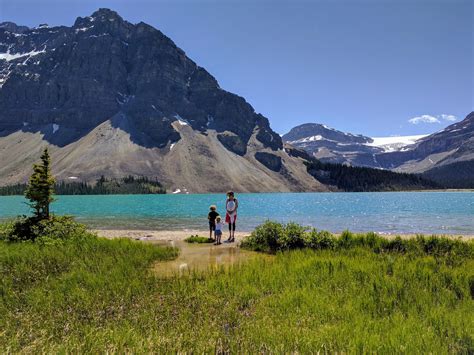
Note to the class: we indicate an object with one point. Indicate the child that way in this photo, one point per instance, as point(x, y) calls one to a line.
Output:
point(218, 232)
point(212, 220)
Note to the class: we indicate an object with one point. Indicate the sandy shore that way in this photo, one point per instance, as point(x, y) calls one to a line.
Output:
point(159, 235)
point(153, 235)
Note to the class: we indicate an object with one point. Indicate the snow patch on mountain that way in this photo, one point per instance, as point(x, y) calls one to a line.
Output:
point(395, 143)
point(12, 56)
point(317, 137)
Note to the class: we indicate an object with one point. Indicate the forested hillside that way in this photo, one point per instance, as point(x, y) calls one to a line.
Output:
point(103, 186)
point(350, 178)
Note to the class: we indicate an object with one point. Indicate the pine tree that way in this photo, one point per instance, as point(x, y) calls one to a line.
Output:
point(40, 188)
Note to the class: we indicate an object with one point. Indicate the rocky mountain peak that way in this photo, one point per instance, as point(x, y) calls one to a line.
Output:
point(105, 14)
point(13, 27)
point(317, 131)
point(102, 67)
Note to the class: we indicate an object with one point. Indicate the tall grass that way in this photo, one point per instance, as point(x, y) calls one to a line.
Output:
point(273, 236)
point(101, 295)
point(61, 290)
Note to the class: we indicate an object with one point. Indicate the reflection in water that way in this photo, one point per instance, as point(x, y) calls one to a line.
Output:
point(201, 257)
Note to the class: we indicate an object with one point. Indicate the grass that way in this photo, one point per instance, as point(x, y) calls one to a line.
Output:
point(100, 295)
point(198, 240)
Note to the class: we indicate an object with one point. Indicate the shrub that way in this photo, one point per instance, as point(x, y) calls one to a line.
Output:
point(265, 237)
point(56, 229)
point(273, 236)
point(21, 229)
point(5, 230)
point(293, 237)
point(320, 240)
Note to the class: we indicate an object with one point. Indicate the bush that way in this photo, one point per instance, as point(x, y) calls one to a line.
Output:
point(21, 229)
point(6, 230)
point(56, 229)
point(320, 240)
point(293, 237)
point(265, 237)
point(272, 236)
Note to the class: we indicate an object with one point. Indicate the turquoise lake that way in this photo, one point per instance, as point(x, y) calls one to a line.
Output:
point(385, 212)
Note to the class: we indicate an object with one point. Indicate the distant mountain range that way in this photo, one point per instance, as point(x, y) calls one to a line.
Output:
point(331, 145)
point(446, 156)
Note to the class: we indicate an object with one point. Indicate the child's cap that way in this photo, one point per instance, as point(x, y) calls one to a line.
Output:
point(218, 218)
point(212, 207)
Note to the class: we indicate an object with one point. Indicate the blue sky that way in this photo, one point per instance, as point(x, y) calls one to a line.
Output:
point(385, 67)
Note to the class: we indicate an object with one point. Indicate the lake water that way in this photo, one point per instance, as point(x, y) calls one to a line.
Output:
point(385, 212)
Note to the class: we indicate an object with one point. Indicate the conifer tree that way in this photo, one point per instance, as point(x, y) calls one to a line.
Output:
point(40, 187)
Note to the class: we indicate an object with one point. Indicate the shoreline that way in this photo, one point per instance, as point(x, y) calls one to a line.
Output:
point(180, 235)
point(263, 192)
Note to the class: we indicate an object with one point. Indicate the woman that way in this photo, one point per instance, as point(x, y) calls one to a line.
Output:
point(231, 205)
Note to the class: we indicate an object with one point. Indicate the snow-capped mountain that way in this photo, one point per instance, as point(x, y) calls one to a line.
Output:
point(446, 156)
point(331, 145)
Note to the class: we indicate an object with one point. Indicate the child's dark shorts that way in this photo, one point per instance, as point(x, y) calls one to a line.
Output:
point(218, 232)
point(212, 225)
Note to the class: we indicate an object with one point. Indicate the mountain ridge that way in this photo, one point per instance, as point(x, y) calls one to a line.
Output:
point(431, 155)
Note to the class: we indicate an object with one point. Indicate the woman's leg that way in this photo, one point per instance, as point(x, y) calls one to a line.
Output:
point(233, 230)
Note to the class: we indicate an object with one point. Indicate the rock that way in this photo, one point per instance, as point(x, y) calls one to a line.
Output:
point(271, 161)
point(233, 143)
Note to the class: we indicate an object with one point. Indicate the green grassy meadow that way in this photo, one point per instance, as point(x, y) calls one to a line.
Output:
point(96, 295)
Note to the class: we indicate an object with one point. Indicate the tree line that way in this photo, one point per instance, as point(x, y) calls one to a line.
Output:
point(103, 186)
point(361, 179)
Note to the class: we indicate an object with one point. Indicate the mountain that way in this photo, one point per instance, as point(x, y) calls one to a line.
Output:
point(114, 98)
point(446, 156)
point(333, 146)
point(342, 177)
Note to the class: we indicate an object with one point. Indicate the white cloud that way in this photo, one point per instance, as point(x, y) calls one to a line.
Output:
point(432, 119)
point(423, 119)
point(446, 117)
